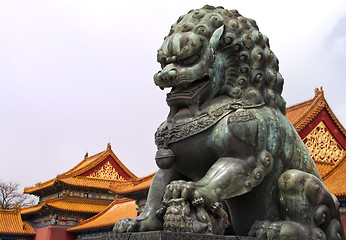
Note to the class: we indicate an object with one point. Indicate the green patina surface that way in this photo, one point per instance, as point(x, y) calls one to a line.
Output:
point(226, 152)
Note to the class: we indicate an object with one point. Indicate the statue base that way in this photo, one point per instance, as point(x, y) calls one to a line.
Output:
point(163, 235)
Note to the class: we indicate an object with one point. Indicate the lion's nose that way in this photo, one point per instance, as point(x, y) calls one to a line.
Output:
point(157, 76)
point(165, 77)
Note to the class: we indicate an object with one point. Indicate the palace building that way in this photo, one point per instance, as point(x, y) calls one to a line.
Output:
point(91, 197)
point(76, 195)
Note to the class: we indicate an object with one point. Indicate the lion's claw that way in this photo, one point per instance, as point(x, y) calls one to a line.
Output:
point(122, 225)
point(179, 189)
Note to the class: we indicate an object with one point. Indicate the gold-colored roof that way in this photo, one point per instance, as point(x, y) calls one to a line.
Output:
point(335, 180)
point(320, 140)
point(117, 210)
point(89, 182)
point(11, 223)
point(301, 114)
point(70, 204)
point(73, 178)
point(135, 185)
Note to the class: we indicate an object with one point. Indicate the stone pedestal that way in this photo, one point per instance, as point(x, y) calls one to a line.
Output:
point(162, 235)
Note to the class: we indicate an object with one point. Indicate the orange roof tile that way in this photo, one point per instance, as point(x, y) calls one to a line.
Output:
point(90, 162)
point(119, 209)
point(296, 112)
point(71, 204)
point(85, 165)
point(301, 114)
point(11, 223)
point(39, 186)
point(324, 169)
point(32, 209)
point(89, 182)
point(335, 180)
point(136, 185)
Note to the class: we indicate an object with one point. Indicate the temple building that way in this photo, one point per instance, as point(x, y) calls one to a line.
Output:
point(78, 194)
point(13, 227)
point(90, 198)
point(102, 223)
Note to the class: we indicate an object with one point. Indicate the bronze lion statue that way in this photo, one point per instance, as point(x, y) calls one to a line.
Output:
point(230, 161)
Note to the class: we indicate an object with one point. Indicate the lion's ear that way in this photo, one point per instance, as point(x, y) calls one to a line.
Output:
point(215, 38)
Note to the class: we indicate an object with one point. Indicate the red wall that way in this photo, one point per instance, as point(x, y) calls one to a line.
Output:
point(54, 233)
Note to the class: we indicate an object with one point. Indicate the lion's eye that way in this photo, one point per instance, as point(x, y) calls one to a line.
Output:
point(190, 61)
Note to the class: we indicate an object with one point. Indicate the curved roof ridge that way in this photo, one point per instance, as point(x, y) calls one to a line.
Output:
point(308, 110)
point(335, 119)
point(69, 203)
point(85, 165)
point(116, 201)
point(109, 216)
point(39, 185)
point(122, 166)
point(79, 165)
point(301, 114)
point(132, 186)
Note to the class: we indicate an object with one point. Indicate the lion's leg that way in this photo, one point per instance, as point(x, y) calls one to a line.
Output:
point(309, 210)
point(227, 178)
point(149, 220)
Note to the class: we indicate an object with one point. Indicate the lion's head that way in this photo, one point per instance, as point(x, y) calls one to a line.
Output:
point(211, 52)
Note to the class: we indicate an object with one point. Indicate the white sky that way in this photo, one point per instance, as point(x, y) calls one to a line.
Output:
point(75, 75)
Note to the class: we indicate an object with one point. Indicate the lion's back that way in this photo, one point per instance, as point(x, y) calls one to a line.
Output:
point(277, 135)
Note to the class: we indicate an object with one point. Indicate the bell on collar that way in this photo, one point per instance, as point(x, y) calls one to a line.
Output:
point(164, 157)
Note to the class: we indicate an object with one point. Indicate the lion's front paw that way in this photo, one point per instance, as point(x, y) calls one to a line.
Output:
point(179, 189)
point(149, 222)
point(123, 225)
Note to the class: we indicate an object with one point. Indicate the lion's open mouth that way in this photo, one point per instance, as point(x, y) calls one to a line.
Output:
point(184, 93)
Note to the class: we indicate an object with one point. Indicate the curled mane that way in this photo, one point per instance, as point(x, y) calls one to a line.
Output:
point(252, 69)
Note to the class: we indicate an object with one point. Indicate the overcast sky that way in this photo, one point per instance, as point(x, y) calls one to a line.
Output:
point(75, 75)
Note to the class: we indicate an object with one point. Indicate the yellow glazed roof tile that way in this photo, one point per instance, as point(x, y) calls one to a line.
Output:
point(71, 204)
point(85, 165)
point(119, 209)
point(89, 182)
point(301, 114)
point(79, 204)
point(335, 180)
point(11, 223)
point(137, 185)
point(32, 209)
